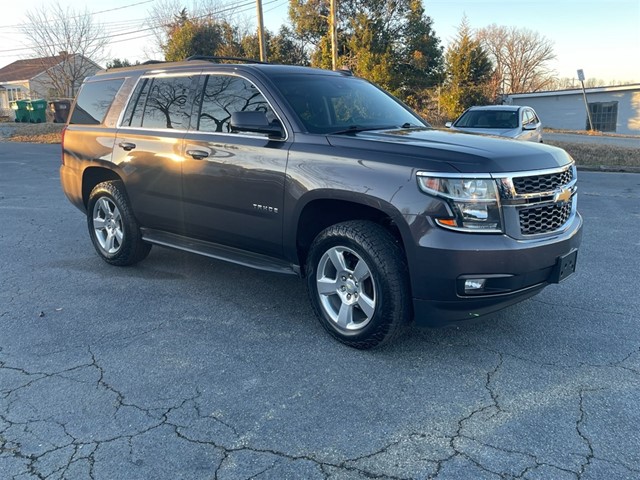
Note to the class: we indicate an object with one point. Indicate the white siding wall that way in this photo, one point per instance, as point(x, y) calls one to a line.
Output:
point(567, 111)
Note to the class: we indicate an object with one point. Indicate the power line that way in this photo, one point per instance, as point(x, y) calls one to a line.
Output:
point(93, 13)
point(247, 6)
point(282, 2)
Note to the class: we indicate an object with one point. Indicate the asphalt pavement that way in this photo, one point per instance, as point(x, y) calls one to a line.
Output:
point(184, 367)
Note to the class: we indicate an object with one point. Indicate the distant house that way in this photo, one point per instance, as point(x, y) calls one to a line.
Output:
point(50, 78)
point(613, 109)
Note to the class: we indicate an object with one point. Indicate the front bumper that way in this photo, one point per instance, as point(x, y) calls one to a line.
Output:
point(515, 269)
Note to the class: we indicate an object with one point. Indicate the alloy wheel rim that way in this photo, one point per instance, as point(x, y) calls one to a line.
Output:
point(346, 288)
point(107, 225)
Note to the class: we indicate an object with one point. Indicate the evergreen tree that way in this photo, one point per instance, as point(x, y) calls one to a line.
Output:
point(191, 37)
point(119, 63)
point(390, 42)
point(469, 73)
point(283, 48)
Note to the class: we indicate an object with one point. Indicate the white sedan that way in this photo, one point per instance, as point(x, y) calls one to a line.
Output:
point(513, 121)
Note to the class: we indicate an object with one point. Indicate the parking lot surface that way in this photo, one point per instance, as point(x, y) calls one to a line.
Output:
point(184, 367)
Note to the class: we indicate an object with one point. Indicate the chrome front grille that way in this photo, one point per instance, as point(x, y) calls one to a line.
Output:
point(542, 183)
point(548, 218)
point(538, 202)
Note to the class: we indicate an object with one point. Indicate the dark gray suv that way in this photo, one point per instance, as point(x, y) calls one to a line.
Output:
point(322, 175)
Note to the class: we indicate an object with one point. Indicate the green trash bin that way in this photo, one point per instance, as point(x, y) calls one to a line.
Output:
point(22, 112)
point(38, 111)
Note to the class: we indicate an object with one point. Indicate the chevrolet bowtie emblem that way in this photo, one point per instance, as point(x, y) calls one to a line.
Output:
point(563, 195)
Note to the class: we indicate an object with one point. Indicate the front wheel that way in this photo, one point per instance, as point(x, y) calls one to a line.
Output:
point(112, 226)
point(358, 284)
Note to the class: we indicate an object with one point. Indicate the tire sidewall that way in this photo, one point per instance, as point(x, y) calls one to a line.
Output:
point(379, 325)
point(114, 193)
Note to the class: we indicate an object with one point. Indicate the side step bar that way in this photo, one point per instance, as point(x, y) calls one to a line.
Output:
point(219, 252)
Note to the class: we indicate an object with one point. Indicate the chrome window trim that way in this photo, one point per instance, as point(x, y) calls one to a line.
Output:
point(236, 74)
point(152, 74)
point(168, 74)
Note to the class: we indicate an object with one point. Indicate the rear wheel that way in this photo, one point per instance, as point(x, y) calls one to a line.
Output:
point(113, 229)
point(357, 281)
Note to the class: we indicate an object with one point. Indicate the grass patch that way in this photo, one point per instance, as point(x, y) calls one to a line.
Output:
point(597, 155)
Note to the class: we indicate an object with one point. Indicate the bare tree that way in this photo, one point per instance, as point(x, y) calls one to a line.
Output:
point(67, 43)
point(165, 15)
point(521, 57)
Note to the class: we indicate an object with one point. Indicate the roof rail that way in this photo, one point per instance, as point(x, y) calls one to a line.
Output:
point(218, 59)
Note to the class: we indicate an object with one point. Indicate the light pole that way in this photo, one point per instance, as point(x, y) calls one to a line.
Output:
point(584, 95)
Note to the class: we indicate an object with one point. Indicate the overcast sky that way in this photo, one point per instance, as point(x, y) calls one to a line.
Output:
point(601, 37)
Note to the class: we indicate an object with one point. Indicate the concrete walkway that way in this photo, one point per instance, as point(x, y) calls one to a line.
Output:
point(630, 142)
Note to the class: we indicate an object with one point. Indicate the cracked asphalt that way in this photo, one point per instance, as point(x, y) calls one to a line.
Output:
point(188, 368)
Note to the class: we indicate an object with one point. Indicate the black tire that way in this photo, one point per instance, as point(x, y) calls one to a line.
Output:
point(113, 228)
point(362, 272)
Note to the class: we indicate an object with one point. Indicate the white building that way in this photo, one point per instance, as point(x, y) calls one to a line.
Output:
point(613, 109)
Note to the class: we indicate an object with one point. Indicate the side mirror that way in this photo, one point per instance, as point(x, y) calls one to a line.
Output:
point(529, 126)
point(256, 122)
point(448, 124)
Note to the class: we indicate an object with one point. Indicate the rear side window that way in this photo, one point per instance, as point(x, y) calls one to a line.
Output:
point(224, 95)
point(160, 103)
point(94, 101)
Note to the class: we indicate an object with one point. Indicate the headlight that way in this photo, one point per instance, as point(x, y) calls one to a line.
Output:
point(473, 202)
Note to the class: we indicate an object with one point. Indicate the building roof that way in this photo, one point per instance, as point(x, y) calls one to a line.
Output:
point(577, 91)
point(29, 68)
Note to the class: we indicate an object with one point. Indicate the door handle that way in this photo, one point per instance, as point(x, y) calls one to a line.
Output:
point(127, 146)
point(198, 154)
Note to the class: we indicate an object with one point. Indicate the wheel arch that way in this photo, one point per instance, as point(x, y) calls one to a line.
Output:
point(322, 211)
point(92, 176)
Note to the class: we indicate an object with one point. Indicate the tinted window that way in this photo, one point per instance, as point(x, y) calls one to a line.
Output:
point(488, 119)
point(224, 95)
point(133, 113)
point(160, 103)
point(94, 101)
point(328, 103)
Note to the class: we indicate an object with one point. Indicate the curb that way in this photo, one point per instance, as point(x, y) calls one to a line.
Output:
point(608, 168)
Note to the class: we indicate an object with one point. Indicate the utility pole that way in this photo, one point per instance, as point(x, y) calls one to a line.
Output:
point(261, 39)
point(333, 28)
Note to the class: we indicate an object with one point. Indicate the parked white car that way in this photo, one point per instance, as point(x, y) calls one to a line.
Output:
point(513, 121)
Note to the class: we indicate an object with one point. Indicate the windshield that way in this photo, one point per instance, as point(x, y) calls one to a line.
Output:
point(333, 104)
point(488, 119)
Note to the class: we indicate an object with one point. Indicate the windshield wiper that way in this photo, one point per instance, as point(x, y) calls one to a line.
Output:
point(361, 128)
point(411, 125)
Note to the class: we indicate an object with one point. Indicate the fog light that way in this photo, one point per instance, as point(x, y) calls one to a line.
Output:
point(474, 285)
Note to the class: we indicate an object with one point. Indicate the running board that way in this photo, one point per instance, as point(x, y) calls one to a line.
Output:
point(219, 252)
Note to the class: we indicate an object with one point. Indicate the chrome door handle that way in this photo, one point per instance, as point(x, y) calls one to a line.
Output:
point(198, 154)
point(127, 146)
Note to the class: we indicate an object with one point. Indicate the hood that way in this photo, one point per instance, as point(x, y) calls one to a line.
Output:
point(499, 132)
point(463, 152)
